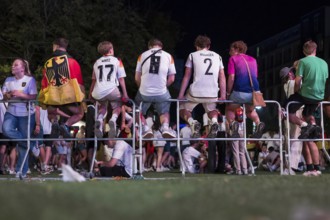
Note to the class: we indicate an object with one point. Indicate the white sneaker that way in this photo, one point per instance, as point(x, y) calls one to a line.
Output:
point(12, 172)
point(112, 133)
point(147, 134)
point(164, 169)
point(36, 151)
point(168, 133)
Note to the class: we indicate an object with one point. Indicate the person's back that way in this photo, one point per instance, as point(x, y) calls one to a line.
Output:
point(205, 81)
point(107, 70)
point(155, 64)
point(237, 66)
point(314, 72)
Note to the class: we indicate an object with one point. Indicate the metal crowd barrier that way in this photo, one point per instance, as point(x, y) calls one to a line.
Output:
point(323, 139)
point(178, 139)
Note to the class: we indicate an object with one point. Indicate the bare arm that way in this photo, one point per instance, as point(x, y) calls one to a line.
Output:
point(185, 82)
point(170, 80)
point(92, 86)
point(297, 83)
point(123, 87)
point(230, 83)
point(138, 78)
point(222, 84)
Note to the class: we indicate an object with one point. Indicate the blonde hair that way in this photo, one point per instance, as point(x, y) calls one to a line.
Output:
point(25, 63)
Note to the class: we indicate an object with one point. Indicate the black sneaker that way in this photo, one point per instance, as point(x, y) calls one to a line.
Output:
point(317, 133)
point(65, 130)
point(306, 131)
point(234, 126)
point(259, 131)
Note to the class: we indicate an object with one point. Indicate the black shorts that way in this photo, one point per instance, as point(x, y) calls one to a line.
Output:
point(114, 171)
point(310, 104)
point(47, 143)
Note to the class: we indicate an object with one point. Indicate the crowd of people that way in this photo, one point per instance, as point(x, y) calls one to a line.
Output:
point(48, 115)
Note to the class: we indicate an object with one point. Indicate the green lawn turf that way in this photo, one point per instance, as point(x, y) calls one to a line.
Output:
point(201, 196)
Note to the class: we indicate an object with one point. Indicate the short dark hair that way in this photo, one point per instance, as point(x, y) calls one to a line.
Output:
point(202, 41)
point(61, 42)
point(155, 42)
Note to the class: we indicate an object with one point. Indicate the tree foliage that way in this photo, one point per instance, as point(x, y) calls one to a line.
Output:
point(29, 31)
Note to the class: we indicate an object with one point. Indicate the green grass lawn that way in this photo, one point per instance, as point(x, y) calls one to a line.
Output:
point(201, 196)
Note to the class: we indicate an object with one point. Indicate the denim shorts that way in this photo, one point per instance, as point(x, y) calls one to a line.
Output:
point(241, 97)
point(161, 102)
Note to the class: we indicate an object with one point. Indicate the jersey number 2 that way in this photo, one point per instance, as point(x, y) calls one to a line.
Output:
point(208, 60)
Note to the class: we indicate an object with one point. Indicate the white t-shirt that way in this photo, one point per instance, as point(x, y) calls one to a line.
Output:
point(124, 153)
point(46, 124)
point(27, 85)
point(107, 70)
point(158, 143)
point(206, 65)
point(185, 132)
point(189, 155)
point(154, 71)
point(289, 88)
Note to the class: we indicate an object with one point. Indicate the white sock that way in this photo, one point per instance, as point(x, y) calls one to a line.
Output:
point(303, 124)
point(100, 117)
point(114, 117)
point(165, 126)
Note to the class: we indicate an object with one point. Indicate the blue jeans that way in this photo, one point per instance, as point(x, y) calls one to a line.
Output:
point(15, 127)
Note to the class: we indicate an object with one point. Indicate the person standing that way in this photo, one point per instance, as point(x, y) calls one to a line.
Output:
point(207, 70)
point(62, 87)
point(20, 87)
point(155, 71)
point(239, 88)
point(309, 88)
point(108, 73)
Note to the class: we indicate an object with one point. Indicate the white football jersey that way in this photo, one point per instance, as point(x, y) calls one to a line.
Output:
point(107, 70)
point(154, 71)
point(205, 65)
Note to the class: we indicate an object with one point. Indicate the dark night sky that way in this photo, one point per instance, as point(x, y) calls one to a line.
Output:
point(225, 21)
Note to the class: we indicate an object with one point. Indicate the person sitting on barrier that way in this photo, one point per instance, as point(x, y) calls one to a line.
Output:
point(309, 89)
point(62, 88)
point(120, 164)
point(194, 157)
point(207, 70)
point(21, 86)
point(155, 71)
point(239, 88)
point(107, 72)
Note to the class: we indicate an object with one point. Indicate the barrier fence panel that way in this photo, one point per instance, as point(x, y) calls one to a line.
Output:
point(178, 139)
point(290, 140)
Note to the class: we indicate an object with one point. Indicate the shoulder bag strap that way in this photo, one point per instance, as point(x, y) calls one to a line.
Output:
point(248, 72)
point(150, 56)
